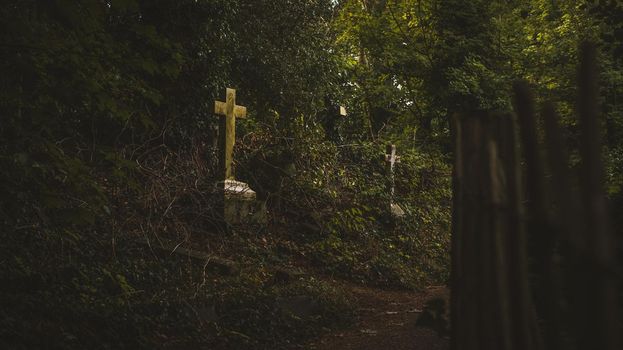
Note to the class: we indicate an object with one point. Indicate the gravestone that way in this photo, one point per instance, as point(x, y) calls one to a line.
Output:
point(391, 159)
point(330, 119)
point(342, 111)
point(238, 204)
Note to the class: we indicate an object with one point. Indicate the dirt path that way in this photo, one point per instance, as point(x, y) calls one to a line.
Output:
point(387, 321)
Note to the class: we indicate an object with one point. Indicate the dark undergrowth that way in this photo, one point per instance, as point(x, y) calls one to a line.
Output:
point(110, 284)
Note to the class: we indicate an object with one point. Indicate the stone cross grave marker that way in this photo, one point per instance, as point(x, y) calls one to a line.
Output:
point(238, 204)
point(227, 139)
point(391, 158)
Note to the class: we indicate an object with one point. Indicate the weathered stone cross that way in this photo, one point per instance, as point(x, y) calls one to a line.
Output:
point(391, 158)
point(227, 131)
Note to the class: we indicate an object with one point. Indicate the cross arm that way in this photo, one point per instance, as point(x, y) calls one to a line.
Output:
point(388, 158)
point(240, 111)
point(220, 108)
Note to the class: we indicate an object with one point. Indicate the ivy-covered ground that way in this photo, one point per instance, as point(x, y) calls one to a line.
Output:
point(121, 286)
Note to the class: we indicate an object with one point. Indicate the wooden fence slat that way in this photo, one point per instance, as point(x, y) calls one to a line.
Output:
point(600, 325)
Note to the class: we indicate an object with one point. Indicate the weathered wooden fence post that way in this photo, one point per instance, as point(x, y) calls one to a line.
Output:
point(490, 300)
point(600, 324)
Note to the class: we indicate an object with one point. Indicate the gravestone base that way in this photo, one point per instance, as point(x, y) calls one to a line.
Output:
point(240, 205)
point(396, 211)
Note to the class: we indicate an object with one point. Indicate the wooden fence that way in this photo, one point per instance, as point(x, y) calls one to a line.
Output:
point(534, 262)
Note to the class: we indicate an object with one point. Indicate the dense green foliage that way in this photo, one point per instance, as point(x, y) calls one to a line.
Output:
point(107, 141)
